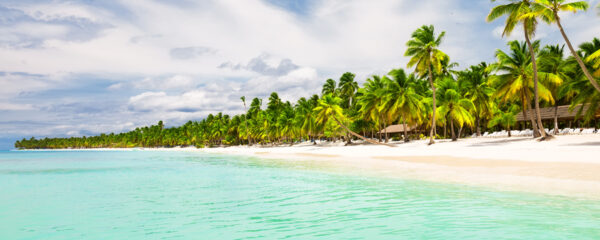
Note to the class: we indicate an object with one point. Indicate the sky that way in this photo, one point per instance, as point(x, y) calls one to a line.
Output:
point(74, 68)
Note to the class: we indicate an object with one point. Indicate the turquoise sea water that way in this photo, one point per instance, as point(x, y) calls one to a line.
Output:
point(179, 195)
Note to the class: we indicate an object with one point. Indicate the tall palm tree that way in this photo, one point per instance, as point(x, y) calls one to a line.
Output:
point(552, 61)
point(522, 11)
point(243, 98)
point(401, 99)
point(549, 13)
point(514, 81)
point(329, 87)
point(347, 89)
point(474, 83)
point(427, 59)
point(329, 108)
point(371, 99)
point(454, 106)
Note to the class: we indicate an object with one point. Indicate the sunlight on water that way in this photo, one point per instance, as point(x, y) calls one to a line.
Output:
point(178, 195)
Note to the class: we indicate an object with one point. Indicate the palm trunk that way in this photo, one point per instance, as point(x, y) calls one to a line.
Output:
point(586, 72)
point(460, 132)
point(556, 118)
point(534, 127)
point(477, 119)
point(385, 131)
point(431, 136)
point(405, 131)
point(359, 136)
point(508, 129)
point(535, 84)
point(452, 130)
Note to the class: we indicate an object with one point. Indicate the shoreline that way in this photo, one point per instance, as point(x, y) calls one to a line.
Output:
point(566, 166)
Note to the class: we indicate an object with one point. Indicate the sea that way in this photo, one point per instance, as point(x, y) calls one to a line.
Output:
point(195, 195)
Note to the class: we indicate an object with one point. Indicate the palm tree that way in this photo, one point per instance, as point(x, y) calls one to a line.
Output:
point(427, 59)
point(552, 61)
point(506, 119)
point(347, 89)
point(549, 13)
point(401, 99)
point(329, 87)
point(371, 100)
point(514, 81)
point(522, 11)
point(454, 106)
point(243, 98)
point(329, 108)
point(305, 116)
point(474, 83)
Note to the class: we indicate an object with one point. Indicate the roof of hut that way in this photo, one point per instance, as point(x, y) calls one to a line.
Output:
point(563, 113)
point(399, 128)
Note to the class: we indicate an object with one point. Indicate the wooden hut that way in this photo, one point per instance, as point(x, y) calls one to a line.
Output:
point(563, 113)
point(399, 128)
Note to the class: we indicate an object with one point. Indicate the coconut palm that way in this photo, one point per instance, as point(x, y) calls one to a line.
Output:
point(427, 60)
point(549, 13)
point(329, 87)
point(371, 100)
point(329, 108)
point(475, 85)
point(454, 106)
point(506, 119)
point(347, 89)
point(513, 83)
point(523, 12)
point(243, 98)
point(552, 61)
point(401, 99)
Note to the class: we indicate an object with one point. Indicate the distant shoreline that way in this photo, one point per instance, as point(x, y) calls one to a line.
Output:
point(568, 165)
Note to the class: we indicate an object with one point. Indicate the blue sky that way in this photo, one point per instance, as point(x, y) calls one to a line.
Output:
point(73, 68)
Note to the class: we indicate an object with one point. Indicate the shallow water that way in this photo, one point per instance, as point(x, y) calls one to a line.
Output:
point(183, 195)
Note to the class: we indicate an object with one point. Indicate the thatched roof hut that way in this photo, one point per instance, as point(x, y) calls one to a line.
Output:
point(399, 128)
point(563, 113)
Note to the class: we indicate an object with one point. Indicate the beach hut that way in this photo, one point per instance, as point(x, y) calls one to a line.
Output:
point(565, 117)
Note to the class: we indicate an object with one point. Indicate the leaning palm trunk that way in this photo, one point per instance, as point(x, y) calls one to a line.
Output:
point(359, 136)
point(535, 85)
point(586, 72)
point(431, 136)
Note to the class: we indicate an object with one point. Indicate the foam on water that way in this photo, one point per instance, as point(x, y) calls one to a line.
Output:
point(182, 195)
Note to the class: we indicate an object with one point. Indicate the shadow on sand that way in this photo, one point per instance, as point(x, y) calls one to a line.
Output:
point(500, 142)
point(584, 144)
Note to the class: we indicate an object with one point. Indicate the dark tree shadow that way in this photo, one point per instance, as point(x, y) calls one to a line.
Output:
point(584, 144)
point(500, 142)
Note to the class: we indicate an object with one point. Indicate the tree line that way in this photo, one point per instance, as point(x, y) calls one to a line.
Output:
point(434, 99)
